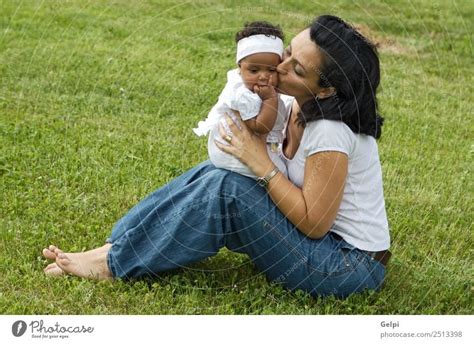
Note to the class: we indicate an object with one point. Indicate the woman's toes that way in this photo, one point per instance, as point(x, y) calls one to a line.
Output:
point(53, 270)
point(57, 251)
point(50, 266)
point(62, 259)
point(49, 254)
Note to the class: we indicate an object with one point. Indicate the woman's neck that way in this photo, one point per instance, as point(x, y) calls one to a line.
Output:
point(302, 100)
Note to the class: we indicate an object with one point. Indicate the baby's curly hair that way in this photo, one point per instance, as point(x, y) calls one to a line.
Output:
point(259, 28)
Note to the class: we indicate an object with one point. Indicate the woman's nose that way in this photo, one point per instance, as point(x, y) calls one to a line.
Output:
point(281, 68)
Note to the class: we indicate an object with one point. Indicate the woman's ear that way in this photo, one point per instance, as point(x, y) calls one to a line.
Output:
point(326, 92)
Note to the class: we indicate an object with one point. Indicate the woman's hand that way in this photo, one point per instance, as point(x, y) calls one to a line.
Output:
point(248, 148)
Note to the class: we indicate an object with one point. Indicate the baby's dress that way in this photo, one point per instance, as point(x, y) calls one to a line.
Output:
point(238, 97)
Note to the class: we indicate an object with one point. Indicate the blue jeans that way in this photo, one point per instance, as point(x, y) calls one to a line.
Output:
point(207, 208)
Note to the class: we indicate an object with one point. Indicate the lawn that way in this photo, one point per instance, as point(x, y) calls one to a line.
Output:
point(97, 102)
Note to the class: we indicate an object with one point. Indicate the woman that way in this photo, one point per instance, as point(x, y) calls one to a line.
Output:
point(323, 229)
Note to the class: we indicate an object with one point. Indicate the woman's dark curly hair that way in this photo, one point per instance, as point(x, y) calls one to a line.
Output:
point(351, 66)
point(259, 28)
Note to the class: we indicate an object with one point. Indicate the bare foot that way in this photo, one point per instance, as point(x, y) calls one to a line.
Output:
point(90, 264)
point(52, 269)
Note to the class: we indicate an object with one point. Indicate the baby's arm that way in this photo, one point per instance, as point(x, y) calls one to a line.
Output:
point(266, 118)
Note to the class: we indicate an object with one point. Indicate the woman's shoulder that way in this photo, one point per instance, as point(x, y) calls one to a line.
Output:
point(325, 134)
point(328, 128)
point(328, 125)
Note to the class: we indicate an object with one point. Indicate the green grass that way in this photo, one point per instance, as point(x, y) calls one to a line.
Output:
point(97, 102)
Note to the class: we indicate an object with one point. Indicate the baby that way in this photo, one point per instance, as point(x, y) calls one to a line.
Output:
point(250, 91)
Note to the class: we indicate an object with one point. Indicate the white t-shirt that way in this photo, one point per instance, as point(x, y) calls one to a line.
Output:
point(238, 97)
point(361, 219)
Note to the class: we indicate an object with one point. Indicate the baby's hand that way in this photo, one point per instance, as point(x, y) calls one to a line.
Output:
point(265, 91)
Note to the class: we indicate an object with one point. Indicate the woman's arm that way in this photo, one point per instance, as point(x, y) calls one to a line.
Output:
point(313, 208)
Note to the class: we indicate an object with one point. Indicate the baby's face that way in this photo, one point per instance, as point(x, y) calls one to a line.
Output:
point(256, 69)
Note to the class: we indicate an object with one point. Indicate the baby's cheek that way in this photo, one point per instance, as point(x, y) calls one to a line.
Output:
point(275, 79)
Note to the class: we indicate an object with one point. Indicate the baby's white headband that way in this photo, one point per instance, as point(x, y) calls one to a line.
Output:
point(259, 44)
